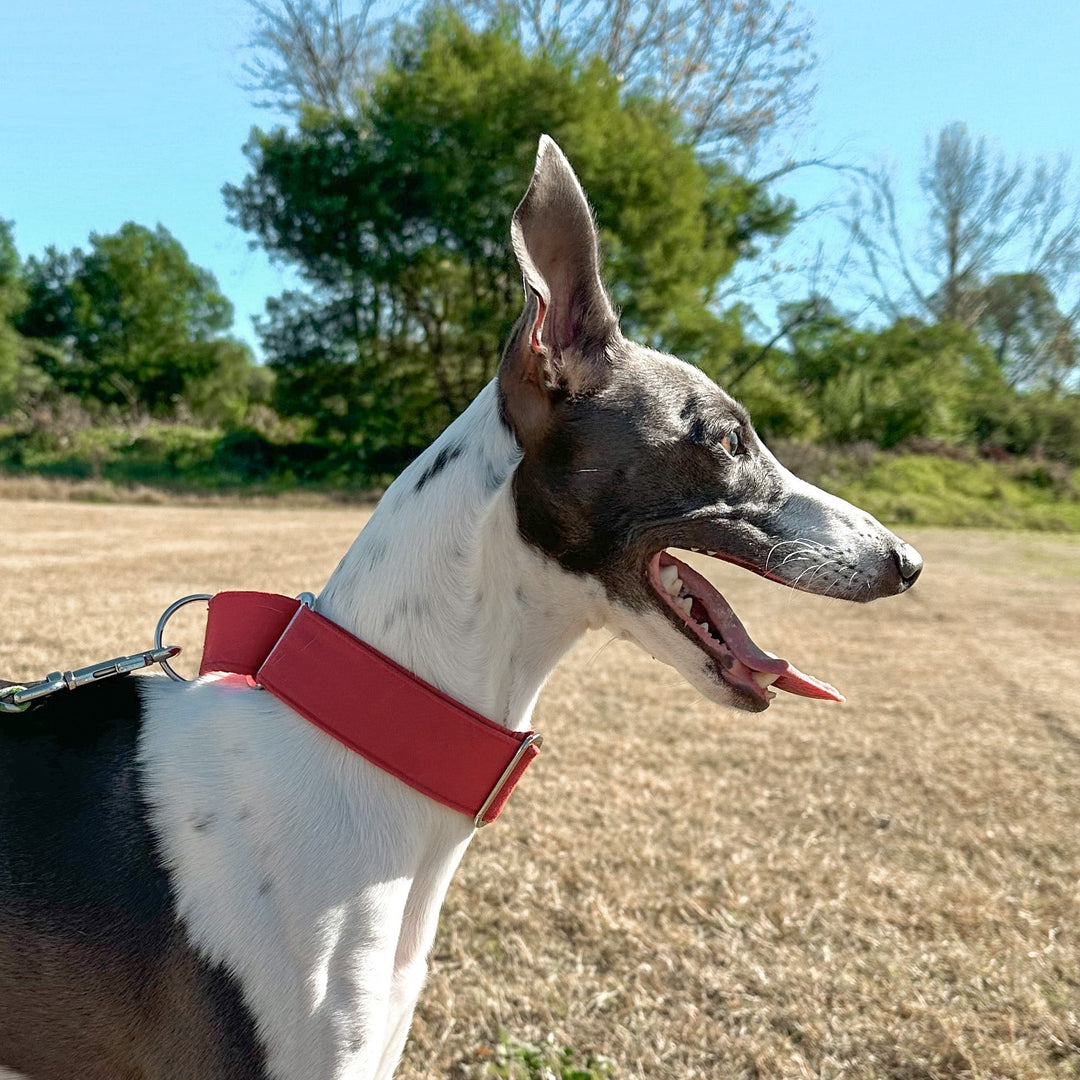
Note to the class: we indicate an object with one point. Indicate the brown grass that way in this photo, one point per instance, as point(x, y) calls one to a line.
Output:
point(885, 889)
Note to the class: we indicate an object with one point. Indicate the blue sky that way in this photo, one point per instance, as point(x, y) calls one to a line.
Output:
point(122, 110)
point(893, 72)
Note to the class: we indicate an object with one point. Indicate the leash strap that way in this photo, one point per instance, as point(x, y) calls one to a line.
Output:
point(365, 700)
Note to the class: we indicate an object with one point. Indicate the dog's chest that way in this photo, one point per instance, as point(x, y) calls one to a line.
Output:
point(303, 869)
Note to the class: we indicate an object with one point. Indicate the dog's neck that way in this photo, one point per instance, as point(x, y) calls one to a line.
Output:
point(441, 581)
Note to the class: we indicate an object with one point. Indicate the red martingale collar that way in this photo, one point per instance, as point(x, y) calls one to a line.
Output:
point(374, 706)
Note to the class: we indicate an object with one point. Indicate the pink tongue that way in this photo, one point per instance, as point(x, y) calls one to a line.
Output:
point(727, 623)
point(795, 682)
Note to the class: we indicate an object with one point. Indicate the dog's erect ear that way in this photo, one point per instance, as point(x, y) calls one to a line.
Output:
point(560, 343)
point(556, 246)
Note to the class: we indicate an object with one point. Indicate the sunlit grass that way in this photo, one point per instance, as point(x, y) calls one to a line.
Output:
point(882, 890)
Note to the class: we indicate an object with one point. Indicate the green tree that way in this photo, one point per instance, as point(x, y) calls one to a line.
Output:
point(49, 315)
point(134, 323)
point(908, 380)
point(20, 380)
point(1035, 345)
point(12, 300)
point(398, 221)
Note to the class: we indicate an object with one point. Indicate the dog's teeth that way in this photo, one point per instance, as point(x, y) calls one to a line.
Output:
point(675, 587)
point(686, 603)
point(763, 678)
point(669, 576)
point(704, 626)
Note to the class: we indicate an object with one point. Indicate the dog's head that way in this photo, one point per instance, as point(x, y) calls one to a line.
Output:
point(628, 452)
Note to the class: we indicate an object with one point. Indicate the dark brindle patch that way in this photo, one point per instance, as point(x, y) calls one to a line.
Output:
point(638, 466)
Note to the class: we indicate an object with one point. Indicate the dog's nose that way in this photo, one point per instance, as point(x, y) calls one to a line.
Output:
point(909, 562)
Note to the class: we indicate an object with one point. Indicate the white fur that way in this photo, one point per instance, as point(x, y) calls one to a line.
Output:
point(315, 877)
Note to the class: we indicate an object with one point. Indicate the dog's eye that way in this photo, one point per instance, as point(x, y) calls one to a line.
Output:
point(730, 443)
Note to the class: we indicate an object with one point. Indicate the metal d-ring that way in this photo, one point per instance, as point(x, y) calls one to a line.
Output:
point(166, 615)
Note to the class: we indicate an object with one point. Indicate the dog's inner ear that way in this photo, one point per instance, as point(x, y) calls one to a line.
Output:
point(560, 342)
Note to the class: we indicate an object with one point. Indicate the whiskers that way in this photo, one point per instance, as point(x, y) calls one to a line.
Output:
point(802, 548)
point(819, 558)
point(592, 659)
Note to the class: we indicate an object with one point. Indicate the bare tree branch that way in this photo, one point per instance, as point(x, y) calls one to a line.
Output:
point(734, 70)
point(984, 217)
point(310, 53)
point(804, 313)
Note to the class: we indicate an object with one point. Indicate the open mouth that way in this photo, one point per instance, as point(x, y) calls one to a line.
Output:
point(707, 619)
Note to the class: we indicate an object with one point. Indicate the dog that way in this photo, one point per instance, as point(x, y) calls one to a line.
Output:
point(196, 884)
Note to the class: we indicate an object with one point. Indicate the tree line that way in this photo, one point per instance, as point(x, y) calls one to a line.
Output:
point(389, 191)
point(130, 327)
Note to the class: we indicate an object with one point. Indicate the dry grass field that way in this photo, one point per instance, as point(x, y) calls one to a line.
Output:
point(884, 889)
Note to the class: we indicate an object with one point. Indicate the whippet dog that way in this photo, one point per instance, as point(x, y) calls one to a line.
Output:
point(197, 884)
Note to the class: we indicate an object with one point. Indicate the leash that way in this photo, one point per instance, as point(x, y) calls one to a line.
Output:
point(337, 682)
point(16, 698)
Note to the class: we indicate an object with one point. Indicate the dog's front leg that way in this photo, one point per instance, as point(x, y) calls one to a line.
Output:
point(418, 926)
point(405, 991)
point(360, 1005)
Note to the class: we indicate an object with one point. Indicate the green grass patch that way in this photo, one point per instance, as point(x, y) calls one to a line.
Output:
point(926, 490)
point(952, 488)
point(548, 1060)
point(164, 454)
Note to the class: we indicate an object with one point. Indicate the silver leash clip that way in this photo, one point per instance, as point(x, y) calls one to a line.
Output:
point(16, 699)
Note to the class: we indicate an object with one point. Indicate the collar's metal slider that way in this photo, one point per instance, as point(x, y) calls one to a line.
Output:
point(534, 739)
point(19, 698)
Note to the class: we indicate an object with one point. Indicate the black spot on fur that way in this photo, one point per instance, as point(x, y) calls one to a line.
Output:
point(265, 887)
point(376, 553)
point(407, 607)
point(395, 611)
point(203, 822)
point(442, 459)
